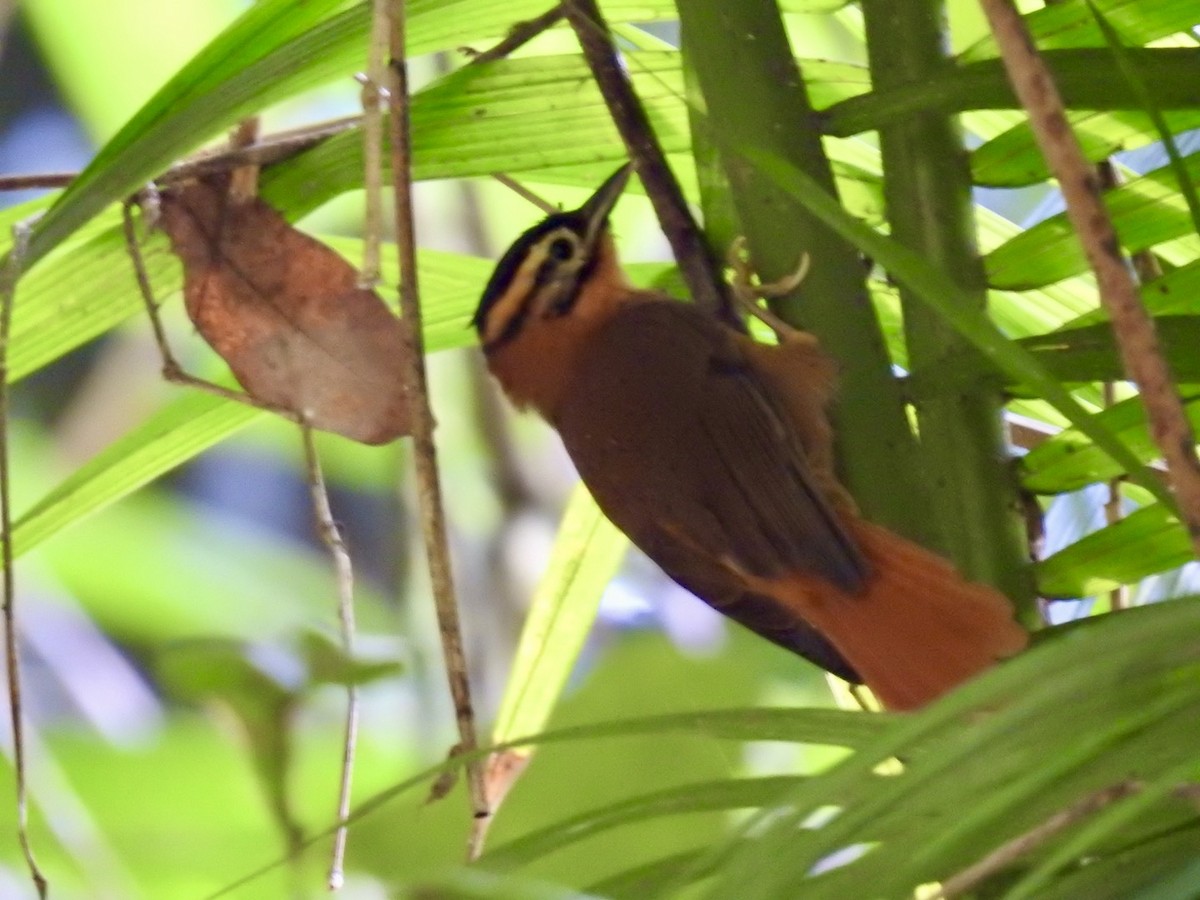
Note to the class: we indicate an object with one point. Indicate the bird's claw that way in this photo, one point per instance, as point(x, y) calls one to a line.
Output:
point(748, 290)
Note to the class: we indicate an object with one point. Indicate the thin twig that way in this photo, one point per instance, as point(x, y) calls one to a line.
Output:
point(525, 193)
point(428, 488)
point(700, 268)
point(32, 182)
point(1132, 326)
point(1118, 597)
point(373, 93)
point(1008, 853)
point(271, 149)
point(147, 290)
point(322, 513)
point(172, 371)
point(8, 292)
point(1146, 267)
point(518, 35)
point(331, 537)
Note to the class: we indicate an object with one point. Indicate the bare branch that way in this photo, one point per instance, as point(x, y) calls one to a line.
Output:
point(700, 268)
point(31, 182)
point(271, 149)
point(1133, 328)
point(1006, 854)
point(433, 524)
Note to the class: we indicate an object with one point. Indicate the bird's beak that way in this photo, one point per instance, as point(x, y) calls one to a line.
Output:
point(601, 203)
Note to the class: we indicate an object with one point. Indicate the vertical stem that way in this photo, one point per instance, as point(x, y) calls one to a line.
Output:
point(331, 537)
point(1118, 597)
point(927, 189)
point(9, 275)
point(752, 88)
point(433, 520)
point(372, 91)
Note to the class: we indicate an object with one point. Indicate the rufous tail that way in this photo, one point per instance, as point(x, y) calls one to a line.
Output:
point(918, 629)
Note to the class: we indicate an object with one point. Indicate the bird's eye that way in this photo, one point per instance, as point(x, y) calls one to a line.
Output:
point(561, 249)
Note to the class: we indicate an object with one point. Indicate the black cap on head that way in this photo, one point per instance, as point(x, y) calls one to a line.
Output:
point(587, 221)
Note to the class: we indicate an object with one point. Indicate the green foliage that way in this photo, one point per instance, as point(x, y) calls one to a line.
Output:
point(657, 775)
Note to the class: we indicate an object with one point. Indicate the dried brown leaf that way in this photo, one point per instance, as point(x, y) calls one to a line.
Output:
point(285, 312)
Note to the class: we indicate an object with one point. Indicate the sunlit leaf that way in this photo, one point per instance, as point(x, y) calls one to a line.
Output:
point(586, 555)
point(1145, 212)
point(1147, 541)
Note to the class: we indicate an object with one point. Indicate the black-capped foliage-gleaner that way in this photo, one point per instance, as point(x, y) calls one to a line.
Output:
point(713, 453)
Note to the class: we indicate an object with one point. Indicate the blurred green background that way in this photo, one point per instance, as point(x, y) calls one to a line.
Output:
point(181, 662)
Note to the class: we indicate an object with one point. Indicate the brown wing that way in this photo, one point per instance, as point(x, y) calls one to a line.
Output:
point(687, 451)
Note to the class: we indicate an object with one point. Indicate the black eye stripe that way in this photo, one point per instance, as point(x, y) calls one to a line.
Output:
point(506, 269)
point(544, 273)
point(558, 253)
point(567, 302)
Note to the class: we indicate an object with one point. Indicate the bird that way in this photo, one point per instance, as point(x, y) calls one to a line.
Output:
point(713, 452)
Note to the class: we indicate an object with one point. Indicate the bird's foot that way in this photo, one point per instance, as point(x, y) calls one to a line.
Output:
point(748, 290)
